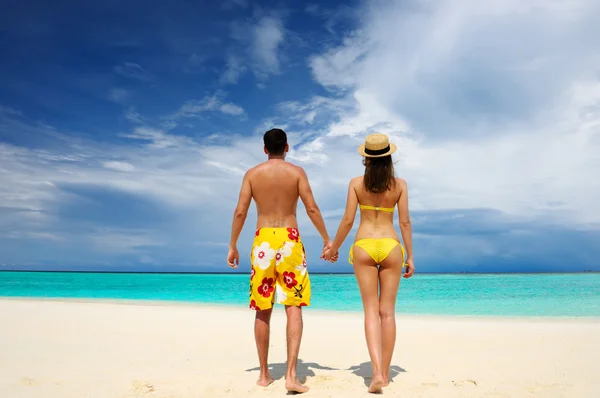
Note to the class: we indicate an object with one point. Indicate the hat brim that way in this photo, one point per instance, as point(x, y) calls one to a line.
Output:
point(361, 150)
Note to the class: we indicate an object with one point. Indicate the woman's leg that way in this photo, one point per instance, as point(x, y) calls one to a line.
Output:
point(390, 272)
point(366, 273)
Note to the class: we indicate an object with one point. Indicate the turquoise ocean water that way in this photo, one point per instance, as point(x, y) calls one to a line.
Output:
point(451, 294)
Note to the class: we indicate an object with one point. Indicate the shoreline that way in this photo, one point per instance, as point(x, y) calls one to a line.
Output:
point(308, 310)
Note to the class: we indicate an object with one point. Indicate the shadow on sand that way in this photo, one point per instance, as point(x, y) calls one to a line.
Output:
point(365, 371)
point(303, 370)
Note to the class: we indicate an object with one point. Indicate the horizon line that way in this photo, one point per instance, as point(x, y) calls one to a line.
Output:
point(312, 273)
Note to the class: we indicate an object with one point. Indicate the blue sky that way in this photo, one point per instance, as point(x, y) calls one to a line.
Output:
point(125, 129)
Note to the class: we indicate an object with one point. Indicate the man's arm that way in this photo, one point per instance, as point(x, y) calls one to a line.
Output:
point(239, 217)
point(312, 209)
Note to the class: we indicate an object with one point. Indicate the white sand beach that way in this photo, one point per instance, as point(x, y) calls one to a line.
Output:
point(106, 349)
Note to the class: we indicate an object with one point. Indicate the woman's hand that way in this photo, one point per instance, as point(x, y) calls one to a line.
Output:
point(329, 255)
point(410, 268)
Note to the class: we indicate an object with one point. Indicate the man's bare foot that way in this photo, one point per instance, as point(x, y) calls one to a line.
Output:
point(386, 382)
point(264, 381)
point(294, 385)
point(376, 385)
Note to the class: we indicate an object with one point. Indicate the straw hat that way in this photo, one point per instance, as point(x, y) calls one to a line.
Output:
point(376, 146)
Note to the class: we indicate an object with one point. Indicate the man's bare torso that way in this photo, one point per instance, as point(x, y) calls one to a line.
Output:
point(275, 191)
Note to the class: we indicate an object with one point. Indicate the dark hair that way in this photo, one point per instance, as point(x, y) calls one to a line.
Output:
point(275, 141)
point(379, 174)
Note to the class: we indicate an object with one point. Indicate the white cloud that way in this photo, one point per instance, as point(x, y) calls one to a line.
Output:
point(119, 95)
point(267, 35)
point(231, 109)
point(234, 70)
point(134, 117)
point(261, 41)
point(333, 16)
point(215, 102)
point(8, 110)
point(158, 139)
point(132, 70)
point(36, 235)
point(119, 166)
point(339, 67)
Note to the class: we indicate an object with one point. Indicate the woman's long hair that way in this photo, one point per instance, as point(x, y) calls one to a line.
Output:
point(379, 174)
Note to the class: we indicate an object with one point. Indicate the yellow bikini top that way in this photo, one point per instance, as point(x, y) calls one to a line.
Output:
point(377, 208)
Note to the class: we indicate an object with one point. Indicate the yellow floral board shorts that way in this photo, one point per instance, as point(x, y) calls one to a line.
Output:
point(278, 268)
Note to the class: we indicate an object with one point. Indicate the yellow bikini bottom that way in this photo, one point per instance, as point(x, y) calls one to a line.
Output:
point(378, 248)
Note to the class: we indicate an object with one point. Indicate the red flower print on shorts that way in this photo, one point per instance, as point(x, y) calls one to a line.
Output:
point(252, 273)
point(266, 287)
point(293, 234)
point(278, 256)
point(289, 278)
point(253, 306)
point(257, 232)
point(301, 304)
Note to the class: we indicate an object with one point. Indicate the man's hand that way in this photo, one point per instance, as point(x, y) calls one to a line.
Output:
point(410, 268)
point(328, 254)
point(233, 257)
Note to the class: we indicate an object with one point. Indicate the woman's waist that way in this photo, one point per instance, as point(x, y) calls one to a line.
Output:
point(376, 232)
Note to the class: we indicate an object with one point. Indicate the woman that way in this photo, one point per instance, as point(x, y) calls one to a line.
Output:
point(377, 255)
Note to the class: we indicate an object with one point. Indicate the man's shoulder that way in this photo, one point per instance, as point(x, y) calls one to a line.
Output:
point(255, 169)
point(295, 169)
point(266, 167)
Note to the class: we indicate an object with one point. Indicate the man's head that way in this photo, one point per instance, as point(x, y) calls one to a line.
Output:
point(275, 142)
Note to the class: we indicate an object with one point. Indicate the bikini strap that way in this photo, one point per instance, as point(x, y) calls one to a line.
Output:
point(377, 208)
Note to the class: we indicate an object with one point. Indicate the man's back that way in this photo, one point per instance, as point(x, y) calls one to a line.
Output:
point(275, 190)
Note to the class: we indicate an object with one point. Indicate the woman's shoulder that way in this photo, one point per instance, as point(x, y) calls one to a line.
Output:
point(356, 180)
point(400, 183)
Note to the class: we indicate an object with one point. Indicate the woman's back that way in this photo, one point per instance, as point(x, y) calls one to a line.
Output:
point(377, 210)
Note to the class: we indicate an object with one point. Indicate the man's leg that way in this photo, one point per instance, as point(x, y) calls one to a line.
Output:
point(294, 336)
point(262, 287)
point(293, 291)
point(262, 332)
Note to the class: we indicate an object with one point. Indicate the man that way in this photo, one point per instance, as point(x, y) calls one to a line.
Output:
point(278, 258)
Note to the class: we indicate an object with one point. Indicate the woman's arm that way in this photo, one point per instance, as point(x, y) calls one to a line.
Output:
point(348, 219)
point(405, 227)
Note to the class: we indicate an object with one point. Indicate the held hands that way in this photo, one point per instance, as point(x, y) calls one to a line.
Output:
point(329, 254)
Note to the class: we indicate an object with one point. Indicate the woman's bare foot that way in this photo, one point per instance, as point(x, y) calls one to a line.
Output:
point(376, 385)
point(386, 382)
point(294, 385)
point(264, 380)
